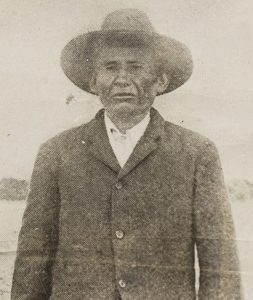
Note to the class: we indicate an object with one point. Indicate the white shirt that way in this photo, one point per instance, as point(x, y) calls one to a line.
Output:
point(124, 144)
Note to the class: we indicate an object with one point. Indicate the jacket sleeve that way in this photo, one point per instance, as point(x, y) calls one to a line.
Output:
point(214, 231)
point(39, 232)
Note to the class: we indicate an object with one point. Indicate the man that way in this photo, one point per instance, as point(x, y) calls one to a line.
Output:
point(117, 205)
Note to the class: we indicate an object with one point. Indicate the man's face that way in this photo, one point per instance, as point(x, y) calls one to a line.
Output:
point(125, 79)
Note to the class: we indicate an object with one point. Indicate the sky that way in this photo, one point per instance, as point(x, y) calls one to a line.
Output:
point(216, 101)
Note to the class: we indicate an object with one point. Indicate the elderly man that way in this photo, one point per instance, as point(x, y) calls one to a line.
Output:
point(116, 206)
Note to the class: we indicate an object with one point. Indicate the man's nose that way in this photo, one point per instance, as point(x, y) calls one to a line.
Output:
point(122, 78)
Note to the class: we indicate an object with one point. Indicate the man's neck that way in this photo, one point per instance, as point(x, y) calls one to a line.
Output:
point(124, 123)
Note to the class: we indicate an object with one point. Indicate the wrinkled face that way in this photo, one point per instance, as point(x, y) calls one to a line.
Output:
point(126, 81)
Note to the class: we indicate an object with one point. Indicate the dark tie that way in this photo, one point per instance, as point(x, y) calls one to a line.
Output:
point(117, 295)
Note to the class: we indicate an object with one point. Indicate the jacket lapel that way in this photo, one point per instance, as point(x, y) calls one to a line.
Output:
point(99, 146)
point(98, 143)
point(147, 144)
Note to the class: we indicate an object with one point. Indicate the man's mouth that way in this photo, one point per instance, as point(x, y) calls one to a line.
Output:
point(123, 96)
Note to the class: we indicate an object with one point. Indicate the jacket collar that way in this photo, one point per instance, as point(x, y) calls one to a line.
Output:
point(99, 146)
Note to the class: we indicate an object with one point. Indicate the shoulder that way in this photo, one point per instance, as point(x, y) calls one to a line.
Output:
point(189, 141)
point(67, 139)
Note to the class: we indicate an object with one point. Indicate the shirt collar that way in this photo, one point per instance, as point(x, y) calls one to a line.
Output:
point(134, 133)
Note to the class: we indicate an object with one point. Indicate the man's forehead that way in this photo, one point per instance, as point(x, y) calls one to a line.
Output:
point(111, 53)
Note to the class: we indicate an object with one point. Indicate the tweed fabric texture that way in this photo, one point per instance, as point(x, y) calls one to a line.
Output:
point(168, 197)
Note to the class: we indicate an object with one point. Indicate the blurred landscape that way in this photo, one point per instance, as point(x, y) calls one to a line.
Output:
point(13, 193)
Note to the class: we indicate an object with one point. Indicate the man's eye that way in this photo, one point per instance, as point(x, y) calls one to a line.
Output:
point(136, 67)
point(111, 68)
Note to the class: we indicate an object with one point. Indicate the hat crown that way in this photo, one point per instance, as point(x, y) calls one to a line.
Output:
point(127, 20)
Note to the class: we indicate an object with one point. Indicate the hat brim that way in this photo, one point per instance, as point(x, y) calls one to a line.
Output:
point(77, 58)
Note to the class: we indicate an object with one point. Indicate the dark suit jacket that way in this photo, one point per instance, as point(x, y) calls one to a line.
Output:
point(169, 197)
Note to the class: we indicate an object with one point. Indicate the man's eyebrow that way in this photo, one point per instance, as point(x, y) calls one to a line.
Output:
point(114, 62)
point(111, 62)
point(134, 62)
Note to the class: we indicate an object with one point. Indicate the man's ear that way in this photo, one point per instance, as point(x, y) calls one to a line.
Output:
point(163, 81)
point(93, 84)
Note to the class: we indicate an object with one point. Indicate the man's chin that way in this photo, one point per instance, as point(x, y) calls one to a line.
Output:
point(124, 108)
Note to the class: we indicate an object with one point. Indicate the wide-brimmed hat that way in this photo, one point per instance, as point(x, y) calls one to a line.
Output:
point(127, 27)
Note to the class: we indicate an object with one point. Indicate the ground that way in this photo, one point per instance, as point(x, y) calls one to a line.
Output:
point(10, 221)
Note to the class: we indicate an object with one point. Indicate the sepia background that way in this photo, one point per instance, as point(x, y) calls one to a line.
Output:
point(37, 101)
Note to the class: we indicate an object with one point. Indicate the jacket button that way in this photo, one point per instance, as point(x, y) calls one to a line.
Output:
point(118, 185)
point(119, 234)
point(122, 283)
